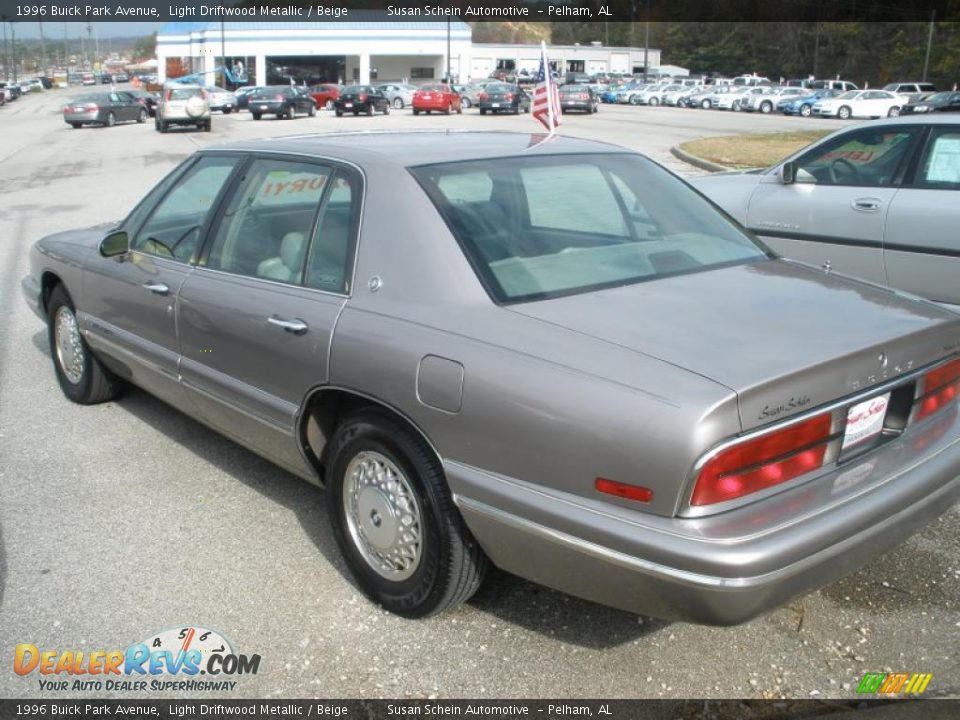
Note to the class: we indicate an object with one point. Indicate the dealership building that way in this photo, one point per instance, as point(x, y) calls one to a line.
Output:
point(345, 52)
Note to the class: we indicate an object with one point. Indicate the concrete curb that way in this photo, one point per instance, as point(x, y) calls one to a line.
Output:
point(697, 162)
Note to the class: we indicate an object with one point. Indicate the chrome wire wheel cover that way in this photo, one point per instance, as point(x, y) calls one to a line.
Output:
point(383, 516)
point(69, 345)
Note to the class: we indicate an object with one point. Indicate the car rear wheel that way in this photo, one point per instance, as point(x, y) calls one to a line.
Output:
point(256, 116)
point(706, 104)
point(465, 103)
point(142, 116)
point(416, 112)
point(460, 109)
point(111, 119)
point(81, 375)
point(449, 109)
point(653, 102)
point(386, 109)
point(893, 112)
point(398, 103)
point(395, 521)
point(844, 113)
point(312, 112)
point(163, 126)
point(207, 125)
point(328, 105)
point(482, 111)
point(370, 110)
point(75, 126)
point(339, 113)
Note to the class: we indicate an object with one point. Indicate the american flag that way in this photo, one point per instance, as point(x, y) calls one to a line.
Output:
point(546, 97)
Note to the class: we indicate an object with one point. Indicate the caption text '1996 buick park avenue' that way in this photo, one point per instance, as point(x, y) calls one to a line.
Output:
point(547, 354)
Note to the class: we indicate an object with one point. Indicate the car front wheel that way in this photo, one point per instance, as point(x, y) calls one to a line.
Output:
point(893, 112)
point(82, 377)
point(805, 110)
point(395, 520)
point(844, 113)
point(398, 103)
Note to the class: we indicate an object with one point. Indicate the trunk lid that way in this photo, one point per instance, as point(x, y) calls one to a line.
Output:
point(783, 336)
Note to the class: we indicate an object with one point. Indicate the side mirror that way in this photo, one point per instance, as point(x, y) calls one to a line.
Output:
point(114, 244)
point(788, 173)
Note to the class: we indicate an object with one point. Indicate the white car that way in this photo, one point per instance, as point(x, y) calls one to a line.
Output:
point(730, 98)
point(653, 95)
point(861, 104)
point(766, 101)
point(400, 96)
point(222, 100)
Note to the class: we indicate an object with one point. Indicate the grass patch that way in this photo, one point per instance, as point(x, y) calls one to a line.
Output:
point(751, 151)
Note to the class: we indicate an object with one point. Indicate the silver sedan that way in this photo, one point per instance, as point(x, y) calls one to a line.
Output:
point(549, 355)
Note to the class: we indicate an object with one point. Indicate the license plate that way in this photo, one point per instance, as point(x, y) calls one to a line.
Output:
point(263, 107)
point(346, 105)
point(494, 104)
point(865, 420)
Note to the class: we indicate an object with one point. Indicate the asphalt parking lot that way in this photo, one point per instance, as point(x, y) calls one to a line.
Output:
point(128, 518)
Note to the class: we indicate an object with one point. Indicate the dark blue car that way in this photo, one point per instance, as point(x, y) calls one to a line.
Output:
point(803, 104)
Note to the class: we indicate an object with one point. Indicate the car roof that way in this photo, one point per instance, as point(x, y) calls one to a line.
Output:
point(423, 147)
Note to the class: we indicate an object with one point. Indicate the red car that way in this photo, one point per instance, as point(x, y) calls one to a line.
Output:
point(436, 97)
point(324, 95)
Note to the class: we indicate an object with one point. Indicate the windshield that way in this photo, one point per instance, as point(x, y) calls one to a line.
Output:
point(540, 227)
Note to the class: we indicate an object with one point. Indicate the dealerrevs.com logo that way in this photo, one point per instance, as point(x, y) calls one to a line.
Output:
point(172, 660)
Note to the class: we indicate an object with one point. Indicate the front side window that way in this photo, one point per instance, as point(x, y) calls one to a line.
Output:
point(543, 226)
point(865, 158)
point(266, 227)
point(173, 228)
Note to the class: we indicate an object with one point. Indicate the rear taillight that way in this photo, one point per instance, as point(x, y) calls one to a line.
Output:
point(584, 96)
point(279, 97)
point(508, 96)
point(764, 461)
point(363, 97)
point(941, 387)
point(484, 96)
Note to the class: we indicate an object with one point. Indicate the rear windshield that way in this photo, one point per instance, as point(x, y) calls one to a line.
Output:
point(282, 90)
point(543, 226)
point(184, 93)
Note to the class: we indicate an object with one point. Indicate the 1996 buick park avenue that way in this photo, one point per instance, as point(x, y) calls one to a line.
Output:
point(555, 357)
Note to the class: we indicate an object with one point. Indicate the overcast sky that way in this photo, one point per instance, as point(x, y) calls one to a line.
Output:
point(75, 29)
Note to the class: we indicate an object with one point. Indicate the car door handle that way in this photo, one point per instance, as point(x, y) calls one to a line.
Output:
point(157, 288)
point(866, 204)
point(295, 326)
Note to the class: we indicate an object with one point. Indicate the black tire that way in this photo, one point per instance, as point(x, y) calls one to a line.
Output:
point(806, 110)
point(386, 109)
point(111, 119)
point(451, 565)
point(312, 112)
point(706, 104)
point(207, 125)
point(256, 116)
point(339, 113)
point(653, 102)
point(227, 111)
point(96, 384)
point(483, 111)
point(142, 116)
point(75, 126)
point(370, 110)
point(398, 103)
point(465, 103)
point(766, 106)
point(449, 110)
point(893, 112)
point(416, 112)
point(164, 127)
point(844, 113)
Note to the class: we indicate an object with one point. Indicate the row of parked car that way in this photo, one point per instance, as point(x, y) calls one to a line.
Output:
point(10, 91)
point(832, 98)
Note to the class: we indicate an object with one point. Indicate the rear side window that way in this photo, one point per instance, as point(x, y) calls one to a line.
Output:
point(543, 226)
point(940, 166)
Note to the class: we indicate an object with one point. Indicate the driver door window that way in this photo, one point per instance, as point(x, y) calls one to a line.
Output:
point(174, 227)
point(866, 158)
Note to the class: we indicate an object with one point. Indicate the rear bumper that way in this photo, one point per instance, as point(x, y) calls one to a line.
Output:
point(83, 118)
point(724, 569)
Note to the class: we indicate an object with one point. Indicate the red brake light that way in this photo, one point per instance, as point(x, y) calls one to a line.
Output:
point(484, 96)
point(363, 97)
point(508, 96)
point(279, 97)
point(764, 461)
point(623, 490)
point(941, 387)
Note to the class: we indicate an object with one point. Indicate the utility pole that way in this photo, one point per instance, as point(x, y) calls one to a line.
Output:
point(43, 51)
point(646, 44)
point(816, 49)
point(926, 60)
point(6, 54)
point(13, 41)
point(223, 56)
point(448, 51)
